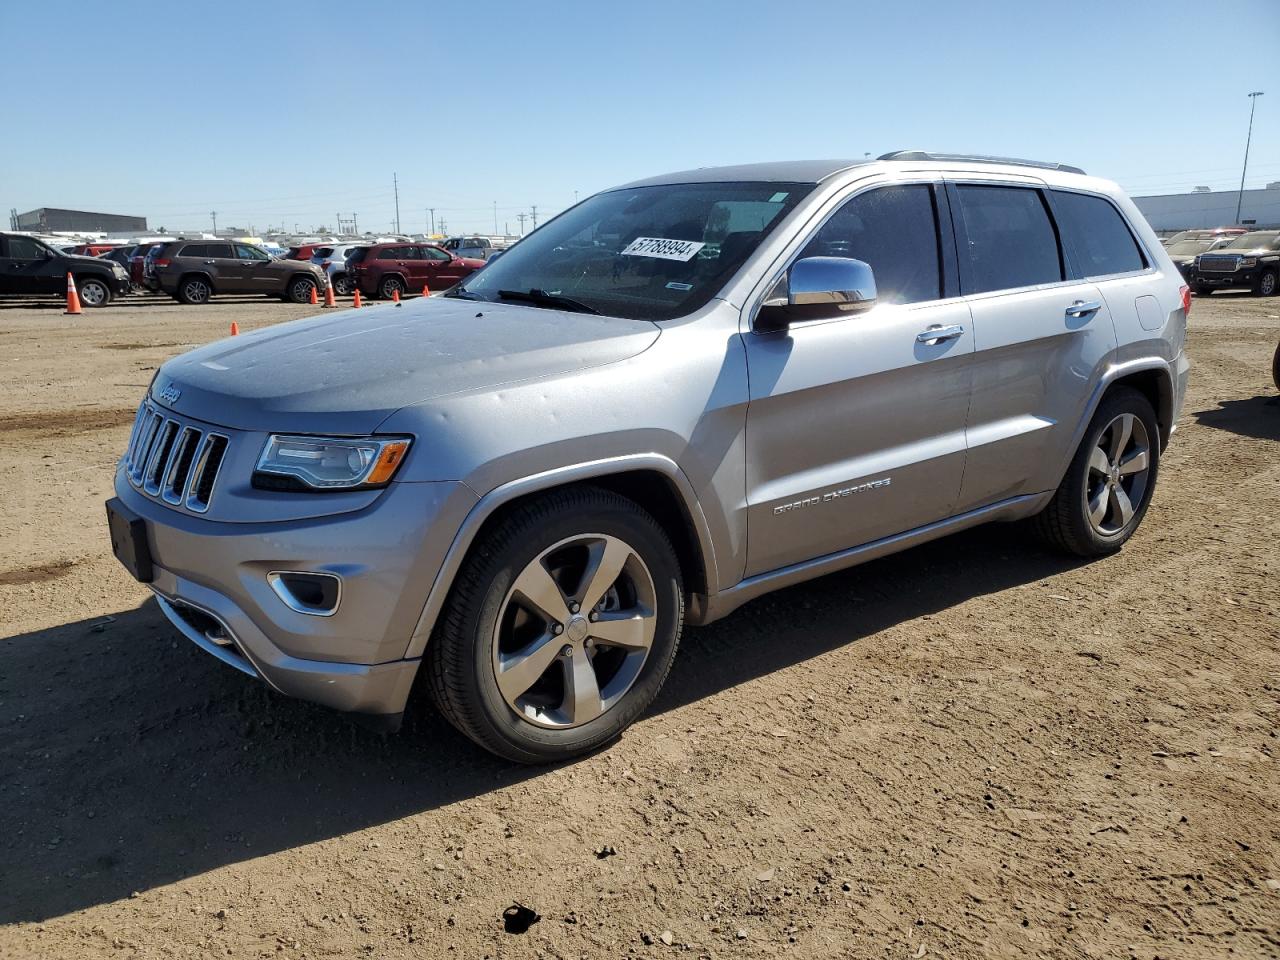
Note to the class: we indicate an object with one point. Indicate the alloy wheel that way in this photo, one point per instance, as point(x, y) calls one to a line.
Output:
point(93, 294)
point(575, 630)
point(197, 291)
point(1267, 284)
point(1119, 470)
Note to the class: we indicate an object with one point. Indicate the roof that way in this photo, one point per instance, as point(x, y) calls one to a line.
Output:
point(784, 171)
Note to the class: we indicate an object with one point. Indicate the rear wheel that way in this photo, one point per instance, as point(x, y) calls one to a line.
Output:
point(300, 289)
point(1275, 367)
point(1267, 284)
point(1108, 485)
point(194, 290)
point(560, 628)
point(94, 293)
point(342, 285)
point(390, 286)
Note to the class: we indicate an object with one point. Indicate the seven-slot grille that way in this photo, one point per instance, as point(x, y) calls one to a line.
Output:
point(174, 461)
point(1219, 264)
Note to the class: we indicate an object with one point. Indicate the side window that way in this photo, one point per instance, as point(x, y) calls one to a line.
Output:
point(195, 250)
point(895, 230)
point(247, 251)
point(1011, 239)
point(221, 250)
point(1096, 234)
point(435, 253)
point(392, 253)
point(24, 248)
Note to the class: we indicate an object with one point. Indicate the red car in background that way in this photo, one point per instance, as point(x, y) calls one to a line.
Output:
point(93, 249)
point(304, 252)
point(385, 268)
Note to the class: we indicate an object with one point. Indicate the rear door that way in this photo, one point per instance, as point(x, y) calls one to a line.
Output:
point(29, 267)
point(855, 428)
point(229, 276)
point(1041, 334)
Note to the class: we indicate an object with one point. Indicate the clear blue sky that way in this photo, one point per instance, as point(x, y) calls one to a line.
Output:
point(286, 112)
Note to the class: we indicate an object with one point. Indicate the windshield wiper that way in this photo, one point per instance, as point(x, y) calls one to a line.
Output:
point(460, 294)
point(541, 298)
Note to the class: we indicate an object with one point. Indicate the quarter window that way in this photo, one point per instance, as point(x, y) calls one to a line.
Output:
point(895, 230)
point(1011, 240)
point(1097, 236)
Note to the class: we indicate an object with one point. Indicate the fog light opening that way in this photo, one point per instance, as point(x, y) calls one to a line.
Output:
point(303, 591)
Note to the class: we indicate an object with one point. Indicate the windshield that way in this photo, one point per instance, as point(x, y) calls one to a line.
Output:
point(646, 253)
point(1250, 241)
point(1189, 246)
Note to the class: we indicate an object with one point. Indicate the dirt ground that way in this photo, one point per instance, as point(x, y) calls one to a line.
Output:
point(973, 749)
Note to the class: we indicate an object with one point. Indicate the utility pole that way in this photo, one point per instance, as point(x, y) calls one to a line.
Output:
point(522, 217)
point(1253, 102)
point(214, 214)
point(395, 185)
point(432, 211)
point(533, 215)
point(444, 226)
point(495, 216)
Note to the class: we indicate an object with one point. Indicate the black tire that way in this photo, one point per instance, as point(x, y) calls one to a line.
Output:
point(194, 290)
point(1275, 367)
point(1201, 291)
point(459, 667)
point(1267, 284)
point(342, 285)
point(388, 285)
point(93, 292)
point(1065, 522)
point(300, 289)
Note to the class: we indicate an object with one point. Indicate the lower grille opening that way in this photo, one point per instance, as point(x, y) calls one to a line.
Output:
point(306, 592)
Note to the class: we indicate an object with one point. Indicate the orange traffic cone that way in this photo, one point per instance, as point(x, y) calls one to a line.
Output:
point(356, 303)
point(73, 298)
point(314, 301)
point(426, 290)
point(395, 295)
point(328, 296)
point(235, 329)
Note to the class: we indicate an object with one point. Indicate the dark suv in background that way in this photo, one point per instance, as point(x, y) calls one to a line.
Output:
point(1250, 262)
point(30, 268)
point(385, 268)
point(192, 271)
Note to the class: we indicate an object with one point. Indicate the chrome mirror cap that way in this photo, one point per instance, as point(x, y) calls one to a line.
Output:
point(846, 283)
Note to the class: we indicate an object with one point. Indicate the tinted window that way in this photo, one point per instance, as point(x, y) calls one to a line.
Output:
point(24, 248)
point(894, 229)
point(1010, 238)
point(392, 253)
point(195, 250)
point(247, 251)
point(357, 255)
point(1095, 232)
point(222, 250)
point(322, 252)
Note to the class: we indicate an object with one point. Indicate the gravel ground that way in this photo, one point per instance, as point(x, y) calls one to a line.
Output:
point(972, 749)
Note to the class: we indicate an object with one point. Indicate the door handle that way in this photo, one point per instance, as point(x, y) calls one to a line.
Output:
point(1083, 308)
point(937, 334)
point(208, 263)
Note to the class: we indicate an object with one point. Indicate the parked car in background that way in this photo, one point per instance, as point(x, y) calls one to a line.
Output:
point(303, 252)
point(1184, 252)
point(679, 398)
point(193, 271)
point(29, 267)
point(1209, 233)
point(119, 255)
point(1250, 262)
point(92, 249)
point(137, 262)
point(385, 268)
point(477, 247)
point(332, 259)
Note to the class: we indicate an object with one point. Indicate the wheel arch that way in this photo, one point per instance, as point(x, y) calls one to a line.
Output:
point(203, 275)
point(655, 482)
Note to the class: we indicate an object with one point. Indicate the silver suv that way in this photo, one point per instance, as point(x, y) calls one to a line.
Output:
point(674, 397)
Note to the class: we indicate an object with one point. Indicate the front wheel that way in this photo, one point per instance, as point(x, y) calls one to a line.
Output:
point(1108, 485)
point(560, 628)
point(300, 289)
point(1266, 285)
point(94, 293)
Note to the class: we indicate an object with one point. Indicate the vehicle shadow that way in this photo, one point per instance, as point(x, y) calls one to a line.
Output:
point(1257, 417)
point(132, 760)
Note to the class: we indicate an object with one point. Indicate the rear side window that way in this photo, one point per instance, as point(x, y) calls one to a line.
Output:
point(195, 250)
point(322, 252)
point(895, 230)
point(1096, 234)
point(221, 250)
point(357, 255)
point(392, 253)
point(1010, 238)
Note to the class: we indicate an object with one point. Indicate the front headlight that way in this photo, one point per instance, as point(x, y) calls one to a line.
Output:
point(1249, 262)
point(329, 463)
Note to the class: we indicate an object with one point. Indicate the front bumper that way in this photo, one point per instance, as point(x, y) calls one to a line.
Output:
point(210, 580)
point(1234, 280)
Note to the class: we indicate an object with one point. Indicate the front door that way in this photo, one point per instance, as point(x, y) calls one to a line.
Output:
point(443, 268)
point(256, 275)
point(855, 429)
point(29, 267)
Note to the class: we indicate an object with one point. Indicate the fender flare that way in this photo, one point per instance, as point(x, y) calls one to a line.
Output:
point(537, 483)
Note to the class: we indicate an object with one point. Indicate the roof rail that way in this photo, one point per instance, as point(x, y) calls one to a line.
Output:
point(966, 158)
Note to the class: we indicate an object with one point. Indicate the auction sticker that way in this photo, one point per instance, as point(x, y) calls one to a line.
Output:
point(662, 248)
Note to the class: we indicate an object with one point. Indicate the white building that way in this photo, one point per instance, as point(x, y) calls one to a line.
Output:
point(1188, 211)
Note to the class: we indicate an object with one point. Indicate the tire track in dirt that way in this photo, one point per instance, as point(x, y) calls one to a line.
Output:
point(62, 423)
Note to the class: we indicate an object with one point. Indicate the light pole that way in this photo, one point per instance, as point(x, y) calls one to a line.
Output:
point(1253, 102)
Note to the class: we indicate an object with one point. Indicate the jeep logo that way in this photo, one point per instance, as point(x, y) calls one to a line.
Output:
point(169, 394)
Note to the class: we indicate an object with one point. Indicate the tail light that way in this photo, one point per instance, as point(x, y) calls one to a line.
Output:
point(162, 262)
point(324, 264)
point(1186, 299)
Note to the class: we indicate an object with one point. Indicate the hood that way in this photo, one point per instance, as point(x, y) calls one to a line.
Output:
point(346, 372)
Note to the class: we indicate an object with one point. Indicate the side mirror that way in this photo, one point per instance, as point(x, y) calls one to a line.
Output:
point(819, 288)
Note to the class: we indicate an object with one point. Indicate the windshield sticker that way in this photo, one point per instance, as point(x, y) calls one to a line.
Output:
point(676, 285)
point(779, 197)
point(663, 249)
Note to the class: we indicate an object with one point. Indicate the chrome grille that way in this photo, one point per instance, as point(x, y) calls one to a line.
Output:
point(1219, 264)
point(173, 461)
